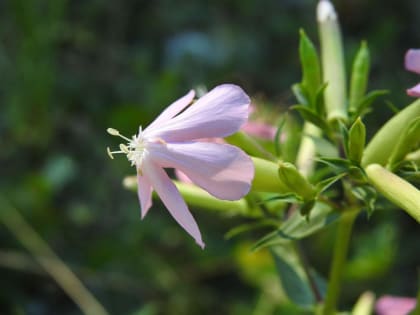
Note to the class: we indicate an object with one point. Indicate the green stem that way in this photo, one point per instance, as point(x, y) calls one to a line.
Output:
point(305, 160)
point(341, 246)
point(49, 260)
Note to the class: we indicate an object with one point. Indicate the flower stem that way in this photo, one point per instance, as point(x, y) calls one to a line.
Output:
point(341, 246)
point(49, 260)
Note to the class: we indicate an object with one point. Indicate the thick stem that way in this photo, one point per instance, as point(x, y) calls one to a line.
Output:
point(305, 159)
point(341, 246)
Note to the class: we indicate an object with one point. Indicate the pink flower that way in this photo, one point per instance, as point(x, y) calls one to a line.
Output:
point(170, 141)
point(394, 305)
point(259, 129)
point(412, 63)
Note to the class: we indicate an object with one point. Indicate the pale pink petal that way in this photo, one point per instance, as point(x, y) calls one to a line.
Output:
point(414, 91)
point(394, 305)
point(182, 177)
point(223, 170)
point(260, 130)
point(144, 191)
point(218, 113)
point(412, 60)
point(172, 110)
point(172, 199)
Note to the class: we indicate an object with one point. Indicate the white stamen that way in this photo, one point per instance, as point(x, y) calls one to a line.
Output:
point(135, 149)
point(124, 148)
point(109, 153)
point(113, 132)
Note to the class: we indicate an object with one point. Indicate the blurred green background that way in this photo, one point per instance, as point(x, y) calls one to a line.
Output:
point(70, 69)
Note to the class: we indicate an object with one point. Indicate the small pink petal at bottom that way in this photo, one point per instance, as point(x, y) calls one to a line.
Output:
point(394, 305)
point(412, 60)
point(144, 191)
point(414, 91)
point(172, 199)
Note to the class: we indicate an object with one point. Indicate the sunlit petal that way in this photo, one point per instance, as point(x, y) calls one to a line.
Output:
point(172, 110)
point(218, 113)
point(222, 170)
point(412, 60)
point(172, 199)
point(144, 191)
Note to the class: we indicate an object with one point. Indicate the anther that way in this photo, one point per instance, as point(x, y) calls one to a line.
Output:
point(113, 132)
point(124, 148)
point(109, 153)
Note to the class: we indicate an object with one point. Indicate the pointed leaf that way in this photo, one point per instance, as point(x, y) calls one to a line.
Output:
point(367, 195)
point(297, 226)
point(300, 93)
point(243, 228)
point(290, 198)
point(366, 101)
point(327, 183)
point(359, 76)
point(294, 280)
point(311, 116)
point(319, 100)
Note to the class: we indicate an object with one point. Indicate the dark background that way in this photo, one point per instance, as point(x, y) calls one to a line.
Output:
point(70, 69)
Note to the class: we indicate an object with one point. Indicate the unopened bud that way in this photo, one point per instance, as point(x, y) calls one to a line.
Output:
point(357, 138)
point(295, 181)
point(395, 189)
point(332, 56)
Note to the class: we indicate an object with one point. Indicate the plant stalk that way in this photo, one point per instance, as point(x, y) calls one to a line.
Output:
point(341, 246)
point(49, 260)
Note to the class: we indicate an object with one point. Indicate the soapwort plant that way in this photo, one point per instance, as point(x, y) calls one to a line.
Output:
point(334, 176)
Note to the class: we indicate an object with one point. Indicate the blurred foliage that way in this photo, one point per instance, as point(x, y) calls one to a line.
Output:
point(70, 69)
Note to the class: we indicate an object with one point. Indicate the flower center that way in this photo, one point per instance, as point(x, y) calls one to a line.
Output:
point(135, 149)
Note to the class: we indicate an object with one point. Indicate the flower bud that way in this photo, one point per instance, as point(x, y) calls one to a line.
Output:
point(359, 76)
point(265, 177)
point(356, 141)
point(294, 180)
point(381, 146)
point(410, 137)
point(332, 56)
point(395, 189)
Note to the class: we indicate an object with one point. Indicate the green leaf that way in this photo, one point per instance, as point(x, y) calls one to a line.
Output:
point(289, 197)
point(319, 105)
point(367, 195)
point(243, 228)
point(339, 164)
point(311, 69)
point(345, 134)
point(328, 182)
point(280, 127)
point(311, 116)
point(359, 76)
point(300, 93)
point(356, 141)
point(294, 280)
point(297, 226)
point(361, 107)
point(295, 181)
point(306, 207)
